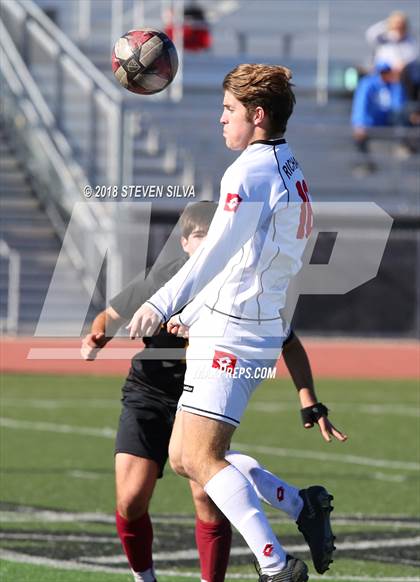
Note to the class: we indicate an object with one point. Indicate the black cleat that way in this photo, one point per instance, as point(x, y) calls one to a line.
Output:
point(314, 523)
point(295, 571)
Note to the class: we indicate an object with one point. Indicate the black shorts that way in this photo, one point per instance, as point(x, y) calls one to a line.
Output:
point(145, 430)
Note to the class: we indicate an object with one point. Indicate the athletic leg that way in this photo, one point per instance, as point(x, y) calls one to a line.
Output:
point(141, 452)
point(203, 459)
point(269, 488)
point(213, 535)
point(135, 481)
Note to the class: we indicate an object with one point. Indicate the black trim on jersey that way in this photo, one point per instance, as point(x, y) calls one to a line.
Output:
point(241, 318)
point(265, 270)
point(272, 142)
point(179, 318)
point(281, 175)
point(157, 309)
point(209, 412)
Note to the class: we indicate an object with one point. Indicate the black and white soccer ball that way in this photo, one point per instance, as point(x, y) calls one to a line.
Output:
point(144, 61)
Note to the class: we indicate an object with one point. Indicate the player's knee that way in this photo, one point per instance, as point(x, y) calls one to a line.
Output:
point(175, 461)
point(191, 465)
point(132, 507)
point(200, 497)
point(176, 466)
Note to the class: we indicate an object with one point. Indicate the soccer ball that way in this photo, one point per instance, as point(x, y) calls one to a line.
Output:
point(144, 61)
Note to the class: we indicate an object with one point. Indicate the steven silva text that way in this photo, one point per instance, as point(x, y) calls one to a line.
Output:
point(143, 191)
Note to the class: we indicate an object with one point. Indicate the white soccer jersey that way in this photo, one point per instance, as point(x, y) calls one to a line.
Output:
point(254, 244)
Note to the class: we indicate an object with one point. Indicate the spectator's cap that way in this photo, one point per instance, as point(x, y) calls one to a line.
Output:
point(383, 67)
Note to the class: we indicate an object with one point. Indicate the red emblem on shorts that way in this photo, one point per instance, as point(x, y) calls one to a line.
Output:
point(280, 493)
point(232, 202)
point(268, 550)
point(224, 361)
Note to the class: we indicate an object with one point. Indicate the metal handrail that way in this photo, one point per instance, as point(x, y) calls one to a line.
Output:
point(26, 20)
point(87, 68)
point(13, 291)
point(38, 118)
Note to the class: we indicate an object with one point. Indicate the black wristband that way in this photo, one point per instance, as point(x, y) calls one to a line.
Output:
point(311, 414)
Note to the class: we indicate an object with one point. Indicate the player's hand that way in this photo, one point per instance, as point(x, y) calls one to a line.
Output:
point(91, 345)
point(145, 322)
point(328, 430)
point(175, 327)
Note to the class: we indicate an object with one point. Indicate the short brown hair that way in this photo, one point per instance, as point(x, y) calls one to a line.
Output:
point(266, 86)
point(198, 214)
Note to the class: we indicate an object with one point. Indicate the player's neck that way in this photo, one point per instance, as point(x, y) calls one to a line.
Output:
point(261, 134)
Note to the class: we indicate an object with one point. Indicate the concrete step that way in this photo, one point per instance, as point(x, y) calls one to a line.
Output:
point(9, 163)
point(23, 216)
point(38, 286)
point(56, 303)
point(10, 187)
point(21, 244)
point(38, 231)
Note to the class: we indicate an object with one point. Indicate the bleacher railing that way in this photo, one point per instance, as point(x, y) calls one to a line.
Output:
point(87, 107)
point(57, 178)
point(10, 322)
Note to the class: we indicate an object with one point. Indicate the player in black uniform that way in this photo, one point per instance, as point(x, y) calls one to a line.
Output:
point(150, 395)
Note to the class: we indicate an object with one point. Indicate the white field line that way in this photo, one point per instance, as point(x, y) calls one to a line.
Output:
point(72, 565)
point(56, 403)
point(51, 537)
point(391, 478)
point(50, 516)
point(274, 451)
point(330, 457)
point(76, 474)
point(266, 407)
point(192, 554)
point(243, 551)
point(106, 432)
point(27, 514)
point(380, 409)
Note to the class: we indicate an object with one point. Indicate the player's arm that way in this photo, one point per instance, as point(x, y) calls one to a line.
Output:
point(104, 327)
point(313, 411)
point(228, 232)
point(375, 31)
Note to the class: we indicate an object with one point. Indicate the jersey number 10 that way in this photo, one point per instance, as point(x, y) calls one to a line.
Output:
point(306, 214)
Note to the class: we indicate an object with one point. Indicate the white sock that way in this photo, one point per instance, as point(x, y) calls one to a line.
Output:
point(235, 497)
point(267, 486)
point(146, 576)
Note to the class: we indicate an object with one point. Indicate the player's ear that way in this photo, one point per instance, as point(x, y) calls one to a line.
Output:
point(259, 115)
point(184, 244)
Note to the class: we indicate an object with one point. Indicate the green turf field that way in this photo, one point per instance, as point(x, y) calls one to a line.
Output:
point(57, 481)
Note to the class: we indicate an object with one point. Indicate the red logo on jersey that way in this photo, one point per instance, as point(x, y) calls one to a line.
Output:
point(232, 202)
point(268, 550)
point(280, 493)
point(224, 361)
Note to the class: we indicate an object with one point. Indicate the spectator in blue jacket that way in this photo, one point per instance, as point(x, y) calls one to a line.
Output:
point(378, 102)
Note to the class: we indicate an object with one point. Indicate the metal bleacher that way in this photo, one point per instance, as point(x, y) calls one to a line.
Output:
point(319, 130)
point(174, 138)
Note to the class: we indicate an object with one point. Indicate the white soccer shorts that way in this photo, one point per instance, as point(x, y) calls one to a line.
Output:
point(226, 360)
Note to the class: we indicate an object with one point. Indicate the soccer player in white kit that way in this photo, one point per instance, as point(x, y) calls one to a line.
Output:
point(233, 291)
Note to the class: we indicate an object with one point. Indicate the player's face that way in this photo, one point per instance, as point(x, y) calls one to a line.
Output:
point(238, 130)
point(193, 241)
